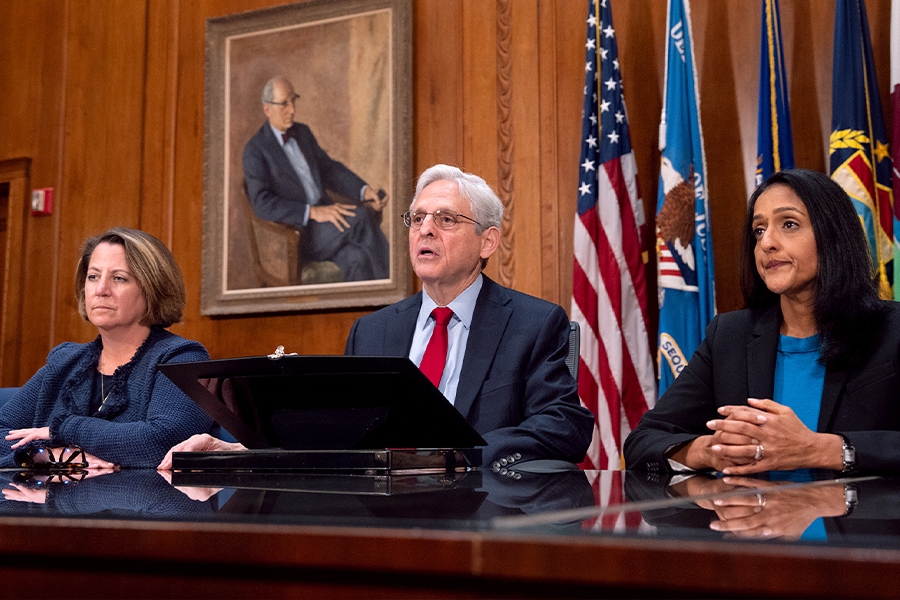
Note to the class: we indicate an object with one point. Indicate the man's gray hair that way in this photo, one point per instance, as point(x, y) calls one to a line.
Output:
point(486, 207)
point(268, 93)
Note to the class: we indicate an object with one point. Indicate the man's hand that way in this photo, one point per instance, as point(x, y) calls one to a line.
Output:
point(200, 494)
point(376, 200)
point(332, 213)
point(202, 442)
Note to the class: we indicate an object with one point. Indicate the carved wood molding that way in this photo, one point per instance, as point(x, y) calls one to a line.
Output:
point(506, 262)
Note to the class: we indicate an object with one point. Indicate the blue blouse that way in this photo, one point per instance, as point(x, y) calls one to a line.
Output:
point(800, 377)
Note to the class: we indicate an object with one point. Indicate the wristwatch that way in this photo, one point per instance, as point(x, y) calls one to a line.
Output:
point(851, 498)
point(849, 455)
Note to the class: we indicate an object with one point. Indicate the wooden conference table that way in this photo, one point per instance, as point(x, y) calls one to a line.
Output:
point(470, 535)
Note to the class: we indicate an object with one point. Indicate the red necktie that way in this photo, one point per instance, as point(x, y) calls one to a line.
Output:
point(285, 136)
point(436, 352)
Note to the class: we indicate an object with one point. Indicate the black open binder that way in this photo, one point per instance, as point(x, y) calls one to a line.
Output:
point(298, 412)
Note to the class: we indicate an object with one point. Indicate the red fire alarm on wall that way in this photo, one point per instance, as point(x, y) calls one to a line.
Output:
point(41, 201)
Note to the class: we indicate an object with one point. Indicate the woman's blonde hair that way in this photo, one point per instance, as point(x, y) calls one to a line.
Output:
point(153, 267)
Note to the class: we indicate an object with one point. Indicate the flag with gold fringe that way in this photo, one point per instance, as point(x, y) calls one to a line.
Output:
point(684, 252)
point(860, 161)
point(774, 143)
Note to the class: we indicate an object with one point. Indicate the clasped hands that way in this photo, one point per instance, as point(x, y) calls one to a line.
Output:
point(337, 214)
point(763, 436)
point(777, 509)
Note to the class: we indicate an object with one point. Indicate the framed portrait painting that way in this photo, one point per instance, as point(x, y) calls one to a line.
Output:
point(307, 157)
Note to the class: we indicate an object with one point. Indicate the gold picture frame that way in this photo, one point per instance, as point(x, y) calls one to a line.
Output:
point(350, 62)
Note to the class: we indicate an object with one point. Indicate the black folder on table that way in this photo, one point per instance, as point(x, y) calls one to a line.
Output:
point(326, 413)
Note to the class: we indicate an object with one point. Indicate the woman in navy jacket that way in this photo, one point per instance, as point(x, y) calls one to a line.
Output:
point(107, 397)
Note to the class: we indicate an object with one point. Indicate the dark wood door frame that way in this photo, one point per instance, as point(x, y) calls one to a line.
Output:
point(16, 172)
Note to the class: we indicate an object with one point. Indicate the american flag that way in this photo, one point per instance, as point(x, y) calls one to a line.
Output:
point(609, 294)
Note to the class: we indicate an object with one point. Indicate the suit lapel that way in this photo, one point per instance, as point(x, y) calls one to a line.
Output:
point(761, 351)
point(400, 331)
point(279, 158)
point(834, 383)
point(489, 321)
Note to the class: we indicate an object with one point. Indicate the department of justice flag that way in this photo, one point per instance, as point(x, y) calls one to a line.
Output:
point(683, 238)
point(860, 161)
point(609, 292)
point(774, 143)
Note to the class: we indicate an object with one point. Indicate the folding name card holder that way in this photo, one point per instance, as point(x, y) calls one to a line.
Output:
point(350, 414)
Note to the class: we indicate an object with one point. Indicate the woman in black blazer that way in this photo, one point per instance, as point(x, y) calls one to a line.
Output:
point(807, 279)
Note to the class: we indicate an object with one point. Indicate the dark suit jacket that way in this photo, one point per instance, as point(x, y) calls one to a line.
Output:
point(736, 361)
point(514, 388)
point(274, 188)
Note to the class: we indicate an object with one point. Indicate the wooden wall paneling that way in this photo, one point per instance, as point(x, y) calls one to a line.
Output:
point(158, 190)
point(15, 172)
point(529, 220)
point(32, 73)
point(809, 40)
point(159, 123)
point(101, 185)
point(481, 124)
point(187, 175)
point(504, 264)
point(554, 203)
point(718, 78)
point(438, 98)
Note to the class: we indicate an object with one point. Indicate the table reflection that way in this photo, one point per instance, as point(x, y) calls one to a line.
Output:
point(467, 500)
point(804, 506)
point(791, 507)
point(129, 493)
point(455, 500)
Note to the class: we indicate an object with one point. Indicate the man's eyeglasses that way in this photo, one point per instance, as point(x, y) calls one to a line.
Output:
point(443, 218)
point(284, 103)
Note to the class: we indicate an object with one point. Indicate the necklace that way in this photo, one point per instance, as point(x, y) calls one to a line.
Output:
point(103, 395)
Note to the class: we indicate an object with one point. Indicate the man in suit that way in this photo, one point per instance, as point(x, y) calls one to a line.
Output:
point(505, 367)
point(287, 174)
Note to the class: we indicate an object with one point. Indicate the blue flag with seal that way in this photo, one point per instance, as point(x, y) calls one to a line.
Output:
point(774, 142)
point(683, 238)
point(860, 160)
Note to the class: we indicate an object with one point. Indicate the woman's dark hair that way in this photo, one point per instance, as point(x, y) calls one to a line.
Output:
point(153, 267)
point(846, 306)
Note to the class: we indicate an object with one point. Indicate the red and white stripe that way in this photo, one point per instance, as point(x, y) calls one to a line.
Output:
point(609, 300)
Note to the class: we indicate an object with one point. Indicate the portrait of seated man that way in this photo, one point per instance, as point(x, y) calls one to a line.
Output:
point(290, 179)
